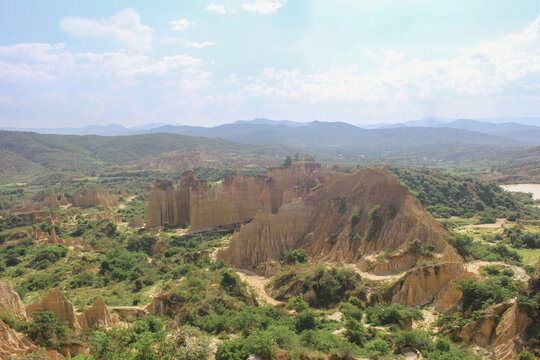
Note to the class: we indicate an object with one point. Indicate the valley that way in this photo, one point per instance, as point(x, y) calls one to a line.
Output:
point(260, 259)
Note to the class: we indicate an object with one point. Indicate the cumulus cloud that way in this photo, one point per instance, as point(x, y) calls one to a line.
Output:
point(124, 27)
point(263, 6)
point(181, 25)
point(216, 9)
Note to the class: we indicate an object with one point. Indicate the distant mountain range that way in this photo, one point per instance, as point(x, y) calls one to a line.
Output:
point(520, 131)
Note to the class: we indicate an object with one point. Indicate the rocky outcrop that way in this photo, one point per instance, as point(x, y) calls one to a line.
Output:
point(163, 205)
point(503, 339)
point(99, 316)
point(235, 201)
point(13, 343)
point(136, 223)
point(95, 198)
point(45, 237)
point(57, 302)
point(333, 223)
point(422, 284)
point(51, 201)
point(10, 301)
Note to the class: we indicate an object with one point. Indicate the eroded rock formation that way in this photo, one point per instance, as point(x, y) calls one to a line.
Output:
point(13, 343)
point(503, 339)
point(99, 315)
point(95, 198)
point(235, 201)
point(136, 223)
point(59, 304)
point(333, 224)
point(10, 300)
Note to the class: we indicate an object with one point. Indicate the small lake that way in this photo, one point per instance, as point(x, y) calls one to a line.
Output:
point(526, 188)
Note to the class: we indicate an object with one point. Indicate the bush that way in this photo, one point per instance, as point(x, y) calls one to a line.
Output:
point(143, 243)
point(392, 314)
point(417, 339)
point(355, 218)
point(307, 320)
point(355, 331)
point(295, 256)
point(46, 330)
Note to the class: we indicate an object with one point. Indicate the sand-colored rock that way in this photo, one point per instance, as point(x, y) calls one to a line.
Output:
point(13, 343)
point(51, 201)
point(320, 223)
point(235, 201)
point(423, 283)
point(136, 223)
point(504, 339)
point(45, 237)
point(56, 302)
point(10, 300)
point(63, 200)
point(99, 316)
point(95, 197)
point(510, 333)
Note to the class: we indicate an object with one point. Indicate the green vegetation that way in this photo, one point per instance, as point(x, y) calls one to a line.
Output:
point(446, 195)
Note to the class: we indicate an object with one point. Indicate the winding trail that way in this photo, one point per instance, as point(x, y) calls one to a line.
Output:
point(374, 277)
point(476, 266)
point(257, 283)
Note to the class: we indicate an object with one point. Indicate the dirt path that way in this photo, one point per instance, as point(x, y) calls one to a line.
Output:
point(476, 266)
point(374, 277)
point(257, 283)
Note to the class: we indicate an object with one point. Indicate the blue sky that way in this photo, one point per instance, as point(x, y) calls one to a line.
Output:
point(73, 63)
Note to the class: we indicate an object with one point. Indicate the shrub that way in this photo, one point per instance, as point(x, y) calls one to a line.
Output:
point(295, 256)
point(355, 218)
point(46, 330)
point(417, 339)
point(355, 331)
point(307, 320)
point(143, 243)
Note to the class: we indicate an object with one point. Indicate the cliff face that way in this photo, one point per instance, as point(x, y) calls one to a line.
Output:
point(235, 201)
point(333, 224)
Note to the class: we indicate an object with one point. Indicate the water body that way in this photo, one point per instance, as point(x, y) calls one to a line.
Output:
point(526, 188)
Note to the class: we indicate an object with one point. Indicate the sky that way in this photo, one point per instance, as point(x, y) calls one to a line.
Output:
point(75, 63)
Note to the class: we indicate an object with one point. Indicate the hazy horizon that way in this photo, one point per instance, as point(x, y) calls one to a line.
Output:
point(68, 64)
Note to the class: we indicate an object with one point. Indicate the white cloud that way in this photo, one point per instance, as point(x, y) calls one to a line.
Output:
point(392, 57)
point(369, 52)
point(509, 66)
point(263, 6)
point(233, 77)
point(199, 45)
point(181, 25)
point(216, 9)
point(124, 27)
